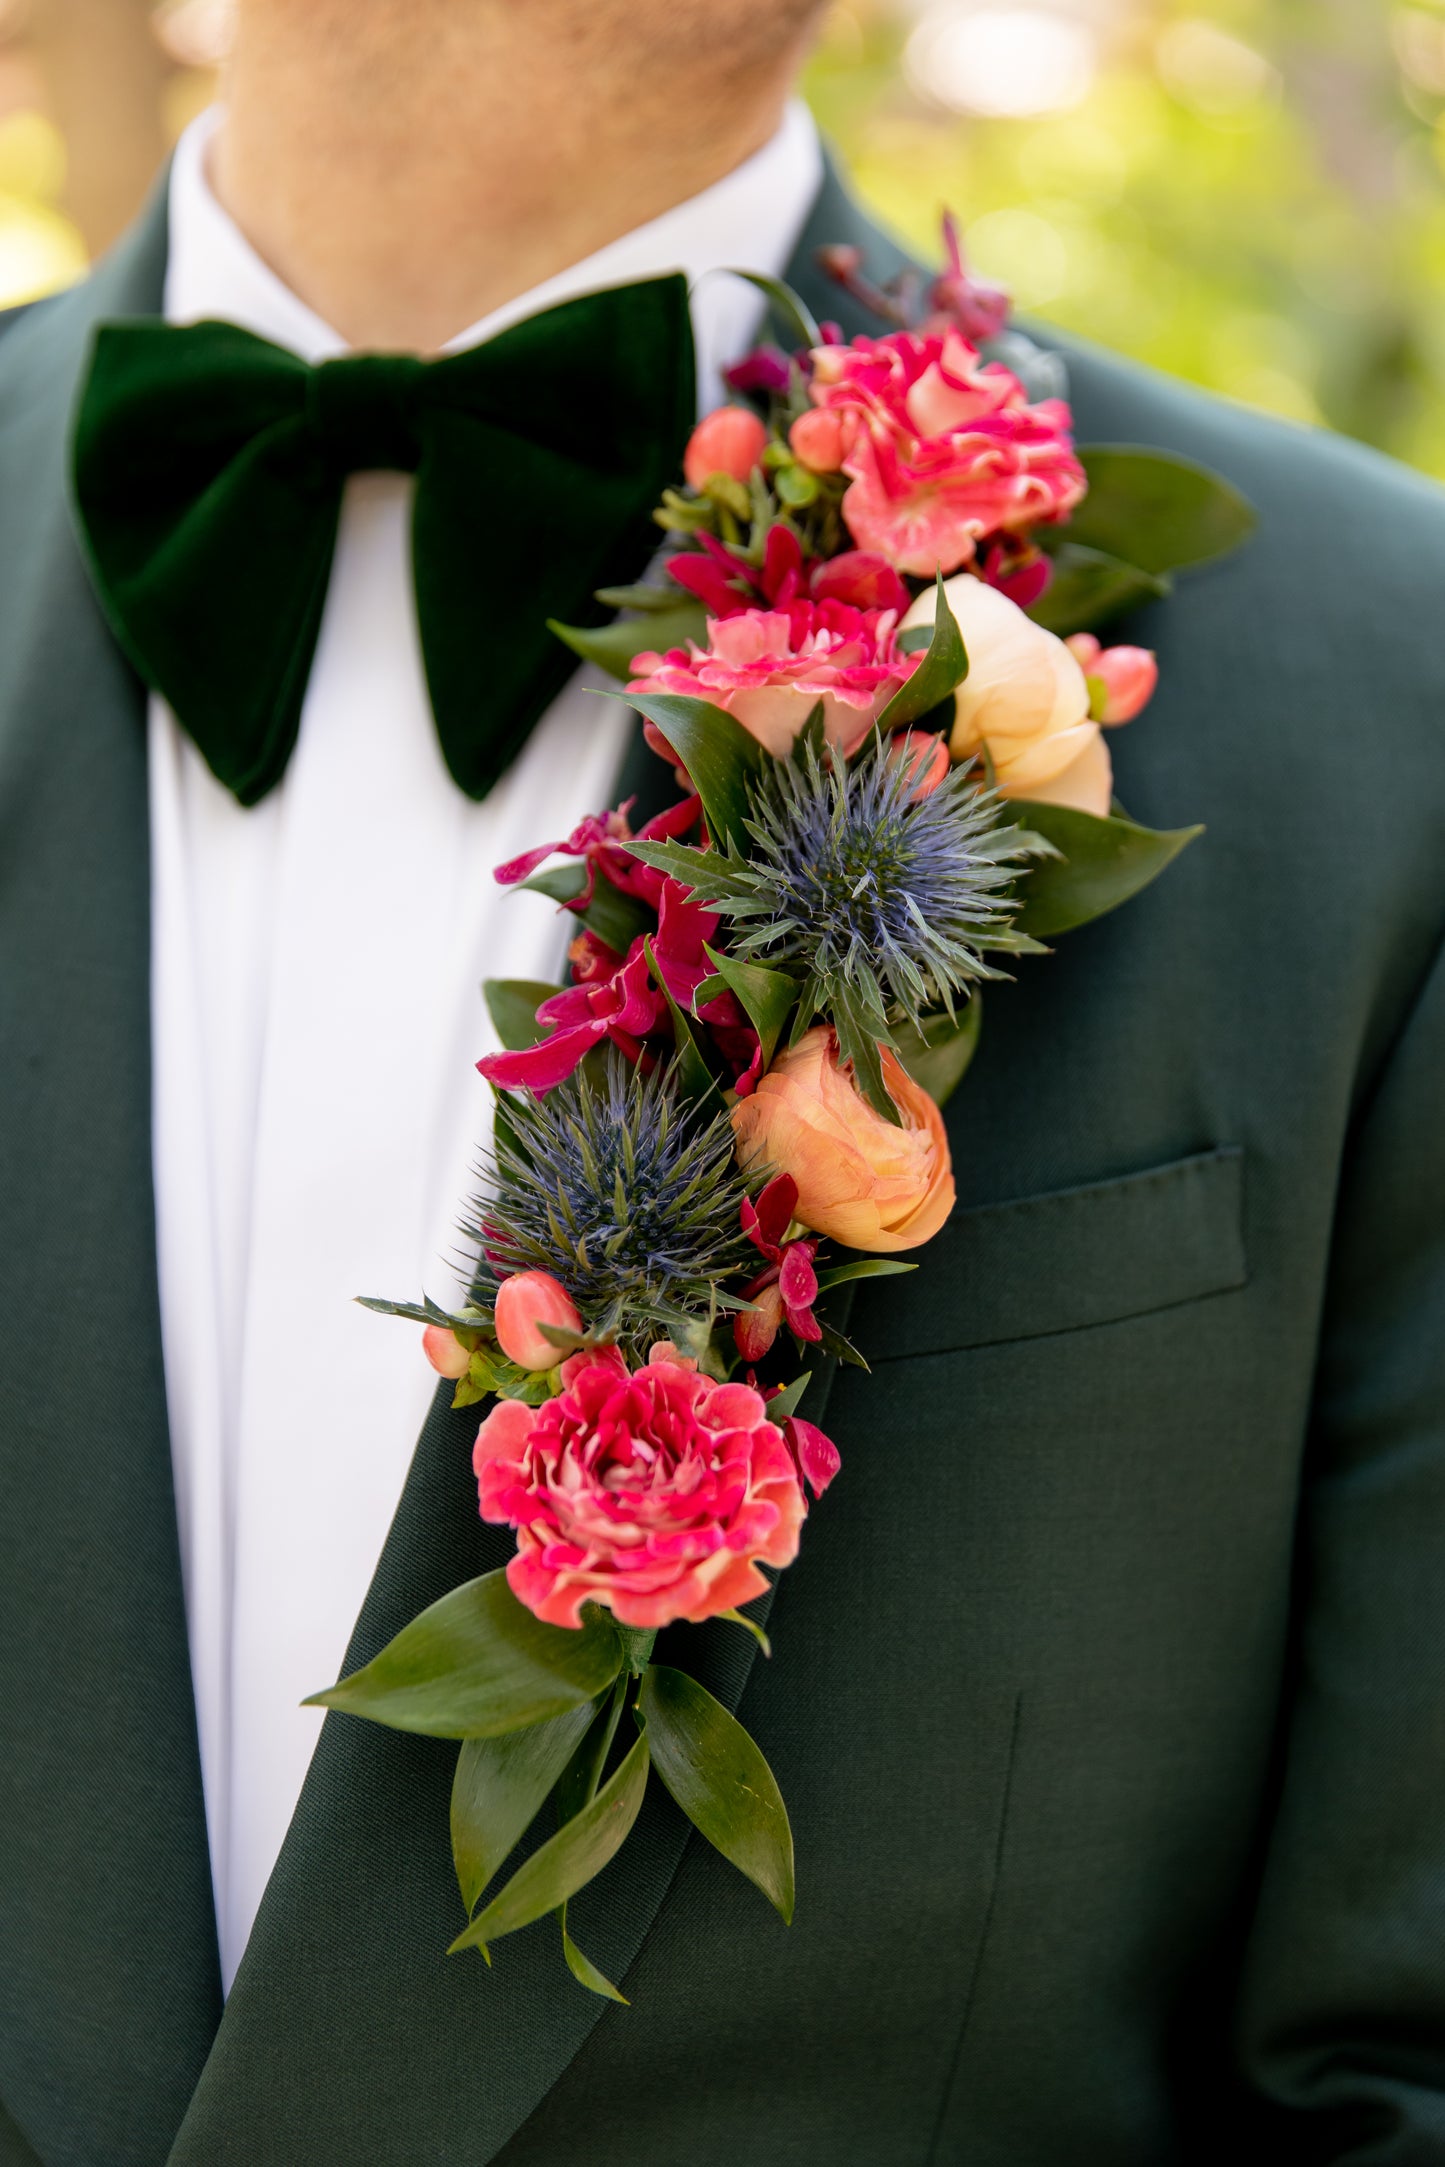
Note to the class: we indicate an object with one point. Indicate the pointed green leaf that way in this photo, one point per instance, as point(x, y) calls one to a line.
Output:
point(477, 1664)
point(583, 1970)
point(719, 1778)
point(858, 1041)
point(694, 1077)
point(499, 1787)
point(786, 1402)
point(767, 997)
point(512, 1004)
point(653, 601)
point(833, 1342)
point(583, 1773)
point(681, 860)
point(941, 671)
point(427, 1311)
point(1101, 864)
point(749, 1625)
point(718, 753)
point(865, 1268)
point(938, 1056)
point(789, 307)
point(614, 917)
point(1087, 588)
point(613, 646)
point(567, 1861)
point(1156, 510)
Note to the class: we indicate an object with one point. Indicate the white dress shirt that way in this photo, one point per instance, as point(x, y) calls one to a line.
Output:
point(316, 1019)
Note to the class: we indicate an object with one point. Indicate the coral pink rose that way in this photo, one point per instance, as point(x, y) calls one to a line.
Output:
point(942, 448)
point(729, 441)
point(1024, 702)
point(770, 667)
point(657, 1492)
point(860, 1180)
point(1121, 680)
point(526, 1302)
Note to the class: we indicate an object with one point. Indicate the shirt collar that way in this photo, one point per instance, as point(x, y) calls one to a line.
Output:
point(752, 217)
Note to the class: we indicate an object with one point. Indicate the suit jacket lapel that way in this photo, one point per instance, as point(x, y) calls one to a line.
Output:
point(350, 1940)
point(109, 1988)
point(349, 2034)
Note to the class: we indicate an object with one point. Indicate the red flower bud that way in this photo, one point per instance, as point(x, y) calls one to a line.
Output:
point(816, 439)
point(445, 1352)
point(525, 1301)
point(925, 757)
point(755, 1328)
point(729, 441)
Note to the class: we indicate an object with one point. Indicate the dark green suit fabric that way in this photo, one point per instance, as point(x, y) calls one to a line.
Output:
point(1108, 1694)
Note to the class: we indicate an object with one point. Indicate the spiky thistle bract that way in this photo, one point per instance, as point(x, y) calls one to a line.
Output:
point(883, 904)
point(625, 1192)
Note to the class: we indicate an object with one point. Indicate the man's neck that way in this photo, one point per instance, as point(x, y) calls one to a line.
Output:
point(406, 183)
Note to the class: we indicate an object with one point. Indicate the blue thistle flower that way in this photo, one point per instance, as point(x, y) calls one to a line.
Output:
point(884, 903)
point(626, 1193)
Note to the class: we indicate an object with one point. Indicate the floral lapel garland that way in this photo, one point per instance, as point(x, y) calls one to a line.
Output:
point(872, 661)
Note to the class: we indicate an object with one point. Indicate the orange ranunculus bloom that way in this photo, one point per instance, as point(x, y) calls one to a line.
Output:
point(861, 1181)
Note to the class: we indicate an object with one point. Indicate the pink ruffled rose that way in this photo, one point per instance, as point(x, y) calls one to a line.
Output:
point(770, 667)
point(657, 1493)
point(942, 448)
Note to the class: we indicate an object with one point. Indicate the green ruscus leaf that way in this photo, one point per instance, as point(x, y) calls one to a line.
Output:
point(938, 1056)
point(719, 1778)
point(790, 308)
point(583, 1970)
point(694, 1077)
point(865, 1268)
point(567, 1861)
point(1101, 863)
point(613, 646)
point(512, 1004)
point(718, 753)
point(941, 671)
point(477, 1664)
point(767, 997)
point(1156, 510)
point(499, 1787)
point(614, 917)
point(1088, 587)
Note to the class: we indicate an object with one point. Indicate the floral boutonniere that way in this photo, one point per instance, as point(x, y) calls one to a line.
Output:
point(871, 657)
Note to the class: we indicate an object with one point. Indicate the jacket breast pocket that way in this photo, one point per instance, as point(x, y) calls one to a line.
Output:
point(1076, 1257)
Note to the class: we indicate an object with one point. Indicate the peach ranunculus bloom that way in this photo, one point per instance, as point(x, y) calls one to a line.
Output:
point(656, 1492)
point(1025, 701)
point(770, 667)
point(941, 447)
point(861, 1181)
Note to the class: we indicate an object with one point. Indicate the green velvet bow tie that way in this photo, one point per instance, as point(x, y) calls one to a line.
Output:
point(209, 468)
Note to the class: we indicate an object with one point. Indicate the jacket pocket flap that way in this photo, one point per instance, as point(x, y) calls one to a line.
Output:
point(1075, 1257)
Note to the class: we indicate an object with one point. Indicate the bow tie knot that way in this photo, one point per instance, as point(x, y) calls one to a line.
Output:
point(363, 412)
point(210, 471)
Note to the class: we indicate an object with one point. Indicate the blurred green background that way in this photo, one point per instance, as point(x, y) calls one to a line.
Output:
point(1250, 193)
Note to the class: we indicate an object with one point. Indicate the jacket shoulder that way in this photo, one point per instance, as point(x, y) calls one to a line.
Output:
point(1295, 475)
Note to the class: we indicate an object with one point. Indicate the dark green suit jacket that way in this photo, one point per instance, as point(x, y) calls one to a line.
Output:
point(1108, 1696)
